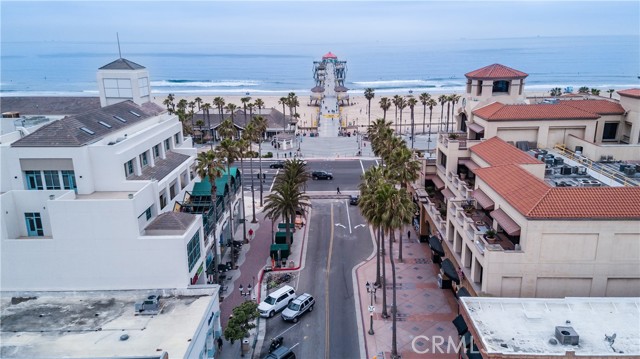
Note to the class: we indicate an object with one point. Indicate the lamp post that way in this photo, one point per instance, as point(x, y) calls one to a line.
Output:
point(247, 293)
point(371, 289)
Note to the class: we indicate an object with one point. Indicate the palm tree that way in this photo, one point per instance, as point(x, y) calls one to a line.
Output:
point(556, 91)
point(219, 103)
point(442, 99)
point(260, 124)
point(379, 132)
point(595, 92)
point(259, 104)
point(369, 95)
point(198, 102)
point(454, 100)
point(431, 103)
point(385, 104)
point(610, 92)
point(205, 109)
point(251, 135)
point(283, 101)
point(401, 104)
point(171, 107)
point(232, 109)
point(412, 103)
point(449, 100)
point(228, 152)
point(583, 89)
point(245, 101)
point(395, 100)
point(403, 169)
point(424, 98)
point(241, 145)
point(209, 167)
point(370, 180)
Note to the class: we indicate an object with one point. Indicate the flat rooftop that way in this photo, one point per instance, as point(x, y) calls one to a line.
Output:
point(90, 324)
point(525, 326)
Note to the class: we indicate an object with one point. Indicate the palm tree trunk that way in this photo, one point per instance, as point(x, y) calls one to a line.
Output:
point(260, 167)
point(384, 280)
point(377, 283)
point(412, 129)
point(400, 248)
point(253, 191)
point(448, 106)
point(424, 118)
point(230, 240)
point(244, 214)
point(394, 334)
point(429, 138)
point(369, 123)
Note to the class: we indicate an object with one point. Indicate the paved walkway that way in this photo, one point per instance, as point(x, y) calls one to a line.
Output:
point(424, 310)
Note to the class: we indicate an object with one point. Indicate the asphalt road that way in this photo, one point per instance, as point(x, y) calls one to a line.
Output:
point(338, 240)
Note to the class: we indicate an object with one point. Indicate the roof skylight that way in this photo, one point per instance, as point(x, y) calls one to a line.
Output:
point(87, 130)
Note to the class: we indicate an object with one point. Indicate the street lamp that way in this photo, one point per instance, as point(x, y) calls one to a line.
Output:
point(371, 289)
point(247, 293)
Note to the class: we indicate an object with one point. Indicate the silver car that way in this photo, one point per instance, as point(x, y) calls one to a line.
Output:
point(302, 304)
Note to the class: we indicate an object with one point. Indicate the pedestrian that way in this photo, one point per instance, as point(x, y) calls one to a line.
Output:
point(290, 156)
point(338, 190)
point(409, 234)
point(219, 344)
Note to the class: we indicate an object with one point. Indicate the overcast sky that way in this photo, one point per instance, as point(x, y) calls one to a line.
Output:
point(311, 22)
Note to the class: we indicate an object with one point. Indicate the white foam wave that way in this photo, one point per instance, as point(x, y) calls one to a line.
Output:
point(230, 83)
point(402, 83)
point(230, 91)
point(416, 92)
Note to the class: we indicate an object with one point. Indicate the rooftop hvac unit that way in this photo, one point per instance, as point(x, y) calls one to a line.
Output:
point(630, 171)
point(567, 336)
point(543, 152)
point(549, 162)
point(558, 161)
point(565, 170)
point(622, 167)
point(582, 170)
point(548, 172)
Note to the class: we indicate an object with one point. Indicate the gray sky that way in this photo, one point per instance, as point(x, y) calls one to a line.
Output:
point(216, 22)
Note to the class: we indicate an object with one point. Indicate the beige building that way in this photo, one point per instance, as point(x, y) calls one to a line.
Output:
point(565, 224)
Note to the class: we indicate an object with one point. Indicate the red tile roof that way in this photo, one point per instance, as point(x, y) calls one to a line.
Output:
point(501, 112)
point(534, 198)
point(496, 152)
point(496, 71)
point(329, 55)
point(601, 107)
point(635, 93)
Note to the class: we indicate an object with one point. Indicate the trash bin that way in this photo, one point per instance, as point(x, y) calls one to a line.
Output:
point(245, 346)
point(290, 264)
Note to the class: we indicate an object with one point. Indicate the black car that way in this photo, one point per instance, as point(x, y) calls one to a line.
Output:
point(317, 175)
point(353, 200)
point(279, 164)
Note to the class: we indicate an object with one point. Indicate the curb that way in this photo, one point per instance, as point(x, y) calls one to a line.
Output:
point(356, 294)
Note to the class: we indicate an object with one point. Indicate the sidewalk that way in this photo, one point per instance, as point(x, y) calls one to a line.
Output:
point(424, 310)
point(253, 257)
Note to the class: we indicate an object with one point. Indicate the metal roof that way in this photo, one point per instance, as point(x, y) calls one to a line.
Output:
point(122, 64)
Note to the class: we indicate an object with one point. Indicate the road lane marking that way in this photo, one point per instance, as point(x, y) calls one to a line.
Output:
point(346, 204)
point(326, 291)
point(377, 164)
point(295, 345)
point(359, 225)
point(274, 181)
point(288, 329)
point(340, 225)
point(362, 166)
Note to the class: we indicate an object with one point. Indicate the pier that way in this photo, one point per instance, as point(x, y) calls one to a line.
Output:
point(329, 93)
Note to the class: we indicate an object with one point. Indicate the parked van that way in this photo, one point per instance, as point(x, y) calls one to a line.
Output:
point(276, 301)
point(304, 303)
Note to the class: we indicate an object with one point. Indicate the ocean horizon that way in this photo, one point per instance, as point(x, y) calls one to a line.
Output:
point(69, 68)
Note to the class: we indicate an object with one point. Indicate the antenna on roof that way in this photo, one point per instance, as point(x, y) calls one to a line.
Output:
point(118, 38)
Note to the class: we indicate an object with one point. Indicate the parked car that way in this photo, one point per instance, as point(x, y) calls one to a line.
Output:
point(316, 175)
point(353, 200)
point(281, 353)
point(304, 303)
point(276, 301)
point(279, 164)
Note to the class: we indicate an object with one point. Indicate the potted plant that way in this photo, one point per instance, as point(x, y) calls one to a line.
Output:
point(443, 213)
point(453, 136)
point(468, 208)
point(490, 235)
point(431, 191)
point(463, 173)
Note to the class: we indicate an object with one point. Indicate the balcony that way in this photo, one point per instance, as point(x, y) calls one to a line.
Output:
point(453, 140)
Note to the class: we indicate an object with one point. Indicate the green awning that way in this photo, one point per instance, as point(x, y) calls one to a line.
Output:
point(281, 247)
point(203, 188)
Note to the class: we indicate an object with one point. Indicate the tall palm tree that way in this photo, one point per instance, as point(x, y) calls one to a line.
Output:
point(245, 101)
point(403, 169)
point(219, 103)
point(454, 100)
point(401, 105)
point(284, 101)
point(260, 124)
point(449, 100)
point(227, 129)
point(208, 166)
point(259, 104)
point(431, 103)
point(442, 100)
point(424, 99)
point(198, 102)
point(251, 135)
point(171, 107)
point(398, 211)
point(385, 104)
point(379, 132)
point(205, 109)
point(231, 108)
point(228, 152)
point(369, 95)
point(610, 92)
point(412, 103)
point(395, 100)
point(370, 180)
point(241, 145)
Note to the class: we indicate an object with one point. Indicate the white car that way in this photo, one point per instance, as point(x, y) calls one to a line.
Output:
point(304, 303)
point(276, 301)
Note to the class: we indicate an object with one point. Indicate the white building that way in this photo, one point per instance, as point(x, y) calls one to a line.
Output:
point(105, 324)
point(89, 202)
point(589, 328)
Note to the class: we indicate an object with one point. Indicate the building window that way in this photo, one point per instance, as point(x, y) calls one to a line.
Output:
point(144, 160)
point(193, 250)
point(610, 131)
point(501, 86)
point(52, 179)
point(117, 87)
point(143, 86)
point(156, 151)
point(146, 214)
point(167, 144)
point(173, 189)
point(163, 199)
point(128, 168)
point(34, 224)
point(69, 180)
point(176, 138)
point(34, 180)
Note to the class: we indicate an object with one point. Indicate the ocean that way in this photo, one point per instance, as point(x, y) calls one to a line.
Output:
point(434, 66)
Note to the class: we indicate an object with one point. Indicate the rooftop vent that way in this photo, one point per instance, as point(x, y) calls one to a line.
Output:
point(119, 118)
point(134, 113)
point(104, 124)
point(567, 335)
point(87, 130)
point(149, 306)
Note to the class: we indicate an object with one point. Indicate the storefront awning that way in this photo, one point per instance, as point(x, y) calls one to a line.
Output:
point(476, 128)
point(450, 270)
point(436, 181)
point(483, 200)
point(507, 224)
point(447, 193)
point(436, 246)
point(460, 324)
point(469, 164)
